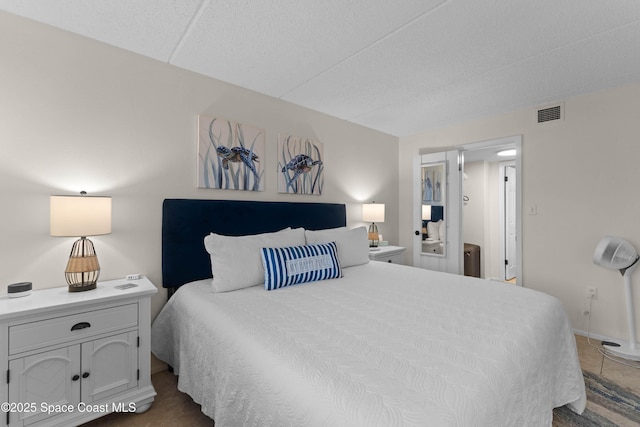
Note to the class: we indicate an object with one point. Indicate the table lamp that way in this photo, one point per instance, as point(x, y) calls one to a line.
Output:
point(81, 216)
point(372, 212)
point(426, 216)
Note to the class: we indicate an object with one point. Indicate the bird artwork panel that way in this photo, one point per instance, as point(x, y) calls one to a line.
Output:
point(229, 155)
point(300, 165)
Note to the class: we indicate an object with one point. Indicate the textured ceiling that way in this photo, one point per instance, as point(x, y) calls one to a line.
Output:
point(397, 66)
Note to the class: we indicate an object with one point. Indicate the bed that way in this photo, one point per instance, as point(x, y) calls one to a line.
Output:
point(379, 345)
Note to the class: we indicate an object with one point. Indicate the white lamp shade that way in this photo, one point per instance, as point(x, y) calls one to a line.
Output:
point(373, 212)
point(80, 216)
point(426, 212)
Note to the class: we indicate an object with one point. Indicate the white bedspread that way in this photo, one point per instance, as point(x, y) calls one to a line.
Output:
point(386, 345)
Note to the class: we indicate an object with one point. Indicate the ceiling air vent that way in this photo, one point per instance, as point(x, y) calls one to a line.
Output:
point(549, 114)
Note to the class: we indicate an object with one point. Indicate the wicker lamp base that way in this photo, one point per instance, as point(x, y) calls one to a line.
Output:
point(83, 269)
point(373, 236)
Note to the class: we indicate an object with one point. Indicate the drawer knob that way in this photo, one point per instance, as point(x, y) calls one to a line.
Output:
point(85, 375)
point(76, 377)
point(81, 325)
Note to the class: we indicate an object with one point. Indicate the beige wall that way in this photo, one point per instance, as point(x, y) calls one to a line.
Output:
point(582, 174)
point(80, 115)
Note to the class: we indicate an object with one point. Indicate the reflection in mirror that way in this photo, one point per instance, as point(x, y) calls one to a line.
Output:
point(433, 202)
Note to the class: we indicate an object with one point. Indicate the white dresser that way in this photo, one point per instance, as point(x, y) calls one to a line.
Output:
point(393, 254)
point(71, 357)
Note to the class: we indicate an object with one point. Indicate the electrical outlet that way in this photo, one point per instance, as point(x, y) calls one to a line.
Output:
point(592, 292)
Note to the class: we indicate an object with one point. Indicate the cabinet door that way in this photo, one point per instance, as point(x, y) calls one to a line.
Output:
point(44, 378)
point(438, 207)
point(109, 366)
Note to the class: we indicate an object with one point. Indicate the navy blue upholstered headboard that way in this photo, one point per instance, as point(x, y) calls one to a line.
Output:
point(185, 223)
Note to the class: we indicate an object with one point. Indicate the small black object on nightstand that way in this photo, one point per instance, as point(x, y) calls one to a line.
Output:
point(21, 289)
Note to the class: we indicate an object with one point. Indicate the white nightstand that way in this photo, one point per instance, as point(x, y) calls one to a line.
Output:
point(392, 254)
point(76, 356)
point(432, 247)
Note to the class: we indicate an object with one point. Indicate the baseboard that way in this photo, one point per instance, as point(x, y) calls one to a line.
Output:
point(595, 336)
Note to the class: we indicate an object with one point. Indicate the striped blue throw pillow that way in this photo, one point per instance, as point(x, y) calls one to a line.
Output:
point(299, 264)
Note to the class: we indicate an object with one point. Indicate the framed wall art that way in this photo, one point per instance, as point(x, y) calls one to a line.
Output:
point(300, 165)
point(229, 155)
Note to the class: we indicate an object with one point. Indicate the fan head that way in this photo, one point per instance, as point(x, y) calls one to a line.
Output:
point(615, 253)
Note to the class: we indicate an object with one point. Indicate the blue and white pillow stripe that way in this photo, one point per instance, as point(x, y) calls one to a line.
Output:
point(299, 264)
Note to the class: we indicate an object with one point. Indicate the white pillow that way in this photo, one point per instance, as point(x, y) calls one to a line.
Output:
point(443, 231)
point(433, 230)
point(236, 261)
point(353, 245)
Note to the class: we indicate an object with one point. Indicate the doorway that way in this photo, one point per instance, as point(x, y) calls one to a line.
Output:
point(500, 246)
point(494, 222)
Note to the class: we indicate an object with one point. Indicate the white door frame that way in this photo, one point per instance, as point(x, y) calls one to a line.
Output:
point(502, 196)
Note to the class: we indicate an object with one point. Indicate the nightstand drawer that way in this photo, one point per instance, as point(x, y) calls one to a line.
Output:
point(43, 333)
point(393, 259)
point(391, 254)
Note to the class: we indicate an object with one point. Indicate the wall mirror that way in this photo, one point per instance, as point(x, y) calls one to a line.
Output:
point(433, 204)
